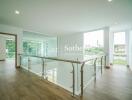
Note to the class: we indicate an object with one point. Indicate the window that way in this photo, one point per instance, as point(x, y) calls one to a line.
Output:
point(119, 48)
point(94, 43)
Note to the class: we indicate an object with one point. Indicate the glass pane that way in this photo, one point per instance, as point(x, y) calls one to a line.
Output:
point(98, 65)
point(32, 48)
point(51, 47)
point(94, 43)
point(119, 48)
point(59, 73)
point(39, 45)
point(88, 72)
point(36, 65)
point(24, 62)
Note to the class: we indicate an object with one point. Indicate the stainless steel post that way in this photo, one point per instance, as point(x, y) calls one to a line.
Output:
point(101, 64)
point(29, 64)
point(95, 68)
point(20, 60)
point(42, 67)
point(105, 62)
point(73, 79)
point(82, 85)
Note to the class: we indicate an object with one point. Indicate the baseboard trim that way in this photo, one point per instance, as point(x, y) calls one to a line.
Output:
point(107, 67)
point(17, 66)
point(2, 60)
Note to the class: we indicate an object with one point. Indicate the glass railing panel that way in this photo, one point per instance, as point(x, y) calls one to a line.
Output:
point(36, 65)
point(98, 65)
point(77, 79)
point(59, 73)
point(103, 62)
point(24, 62)
point(88, 73)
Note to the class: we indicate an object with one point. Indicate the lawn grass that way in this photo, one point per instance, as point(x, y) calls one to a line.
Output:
point(120, 62)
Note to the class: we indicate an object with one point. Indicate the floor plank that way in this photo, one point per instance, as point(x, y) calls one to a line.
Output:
point(114, 84)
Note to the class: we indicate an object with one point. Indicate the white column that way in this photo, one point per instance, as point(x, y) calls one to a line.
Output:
point(130, 50)
point(19, 46)
point(111, 47)
point(127, 40)
point(107, 45)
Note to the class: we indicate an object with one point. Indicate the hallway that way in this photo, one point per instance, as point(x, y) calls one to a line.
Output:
point(114, 84)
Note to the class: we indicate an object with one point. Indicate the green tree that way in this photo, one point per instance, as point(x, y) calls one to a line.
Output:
point(10, 47)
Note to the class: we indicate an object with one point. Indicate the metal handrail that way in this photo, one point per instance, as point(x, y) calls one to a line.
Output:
point(70, 61)
point(60, 59)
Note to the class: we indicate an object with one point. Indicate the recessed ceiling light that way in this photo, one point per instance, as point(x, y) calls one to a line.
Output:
point(17, 12)
point(109, 0)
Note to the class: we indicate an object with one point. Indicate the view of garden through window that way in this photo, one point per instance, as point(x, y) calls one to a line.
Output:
point(10, 48)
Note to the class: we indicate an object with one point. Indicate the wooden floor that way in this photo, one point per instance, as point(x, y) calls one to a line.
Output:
point(18, 84)
point(114, 84)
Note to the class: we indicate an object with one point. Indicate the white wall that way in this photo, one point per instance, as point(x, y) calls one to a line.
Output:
point(14, 30)
point(127, 40)
point(34, 36)
point(2, 48)
point(130, 49)
point(70, 40)
point(107, 42)
point(111, 47)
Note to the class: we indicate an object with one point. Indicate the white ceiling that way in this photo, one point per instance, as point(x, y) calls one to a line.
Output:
point(66, 16)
